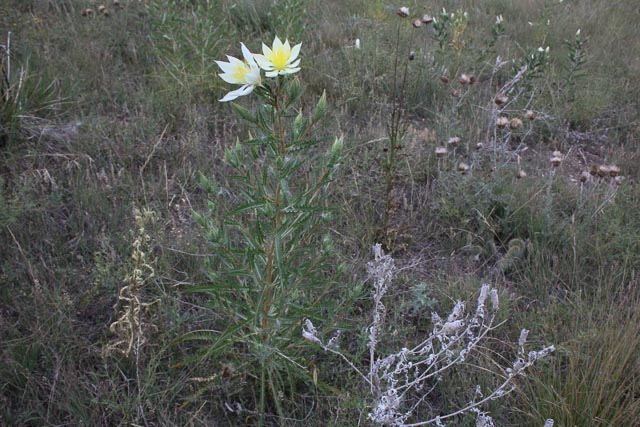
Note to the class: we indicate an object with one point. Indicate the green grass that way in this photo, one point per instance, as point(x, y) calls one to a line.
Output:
point(108, 114)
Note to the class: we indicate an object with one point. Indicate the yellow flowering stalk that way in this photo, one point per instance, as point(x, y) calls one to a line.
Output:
point(281, 59)
point(236, 71)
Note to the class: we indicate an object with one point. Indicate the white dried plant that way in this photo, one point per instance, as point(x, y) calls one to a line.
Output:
point(416, 371)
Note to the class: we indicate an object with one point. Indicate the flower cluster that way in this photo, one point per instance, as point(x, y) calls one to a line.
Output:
point(280, 59)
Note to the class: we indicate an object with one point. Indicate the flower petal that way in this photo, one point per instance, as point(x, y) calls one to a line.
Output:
point(244, 90)
point(263, 62)
point(295, 52)
point(290, 70)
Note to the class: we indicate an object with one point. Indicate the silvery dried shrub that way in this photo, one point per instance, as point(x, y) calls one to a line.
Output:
point(416, 371)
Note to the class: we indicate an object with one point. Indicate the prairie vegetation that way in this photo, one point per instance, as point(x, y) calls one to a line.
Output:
point(171, 260)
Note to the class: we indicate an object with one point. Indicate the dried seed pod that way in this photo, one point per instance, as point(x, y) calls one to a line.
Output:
point(427, 19)
point(501, 99)
point(502, 122)
point(515, 123)
point(444, 79)
point(403, 12)
point(464, 79)
point(530, 114)
point(454, 141)
point(603, 170)
point(584, 176)
point(441, 152)
point(463, 168)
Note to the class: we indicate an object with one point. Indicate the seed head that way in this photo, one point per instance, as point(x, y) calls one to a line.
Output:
point(530, 114)
point(472, 79)
point(603, 170)
point(555, 161)
point(441, 152)
point(501, 99)
point(455, 93)
point(463, 168)
point(105, 13)
point(619, 179)
point(464, 79)
point(102, 8)
point(412, 55)
point(403, 12)
point(87, 12)
point(416, 22)
point(454, 141)
point(427, 19)
point(502, 122)
point(515, 123)
point(521, 174)
point(444, 79)
point(614, 171)
point(116, 3)
point(584, 176)
point(479, 146)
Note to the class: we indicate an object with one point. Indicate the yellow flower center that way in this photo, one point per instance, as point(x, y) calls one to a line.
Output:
point(279, 59)
point(240, 71)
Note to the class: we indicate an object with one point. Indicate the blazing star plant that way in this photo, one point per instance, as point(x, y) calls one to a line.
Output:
point(271, 264)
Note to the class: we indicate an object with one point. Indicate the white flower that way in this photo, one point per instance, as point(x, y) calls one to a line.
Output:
point(357, 44)
point(281, 58)
point(499, 20)
point(236, 71)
